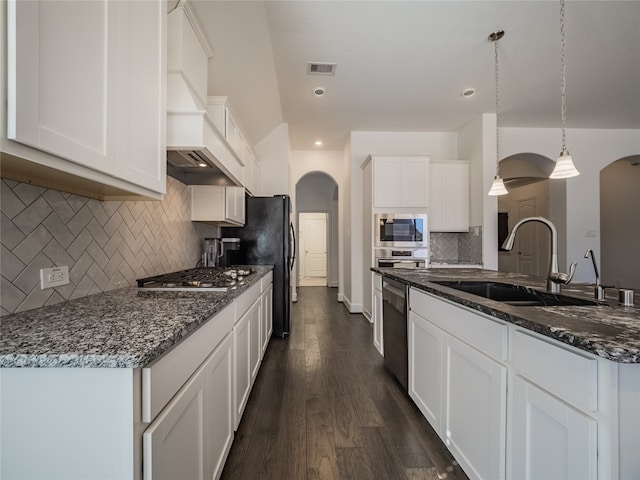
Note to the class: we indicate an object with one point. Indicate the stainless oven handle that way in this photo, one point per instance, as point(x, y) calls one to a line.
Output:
point(417, 263)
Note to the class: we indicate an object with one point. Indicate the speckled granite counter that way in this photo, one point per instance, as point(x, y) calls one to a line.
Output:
point(125, 328)
point(607, 330)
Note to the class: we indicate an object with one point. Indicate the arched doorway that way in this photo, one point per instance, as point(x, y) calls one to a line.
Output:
point(317, 214)
point(526, 176)
point(620, 223)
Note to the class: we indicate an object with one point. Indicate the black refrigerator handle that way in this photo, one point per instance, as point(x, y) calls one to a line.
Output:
point(293, 239)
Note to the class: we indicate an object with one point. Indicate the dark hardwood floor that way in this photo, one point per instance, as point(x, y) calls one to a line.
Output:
point(324, 407)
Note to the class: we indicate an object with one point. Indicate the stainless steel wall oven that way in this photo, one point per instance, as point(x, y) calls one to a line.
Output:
point(401, 230)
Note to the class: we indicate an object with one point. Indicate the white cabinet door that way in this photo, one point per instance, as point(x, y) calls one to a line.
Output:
point(174, 444)
point(387, 182)
point(266, 315)
point(476, 389)
point(425, 368)
point(241, 366)
point(88, 85)
point(400, 181)
point(415, 182)
point(217, 204)
point(218, 378)
point(449, 197)
point(255, 341)
point(378, 320)
point(235, 205)
point(66, 115)
point(550, 440)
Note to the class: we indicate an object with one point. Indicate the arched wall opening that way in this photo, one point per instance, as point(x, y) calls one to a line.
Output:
point(526, 176)
point(620, 223)
point(317, 194)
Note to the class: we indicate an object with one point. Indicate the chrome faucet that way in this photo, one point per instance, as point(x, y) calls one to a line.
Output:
point(599, 289)
point(554, 277)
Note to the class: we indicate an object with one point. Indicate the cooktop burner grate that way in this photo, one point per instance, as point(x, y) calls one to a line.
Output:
point(196, 279)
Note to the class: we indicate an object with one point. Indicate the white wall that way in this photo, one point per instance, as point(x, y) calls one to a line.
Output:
point(477, 143)
point(439, 146)
point(331, 163)
point(274, 156)
point(592, 150)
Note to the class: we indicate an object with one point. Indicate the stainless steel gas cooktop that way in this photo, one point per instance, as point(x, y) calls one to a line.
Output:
point(204, 279)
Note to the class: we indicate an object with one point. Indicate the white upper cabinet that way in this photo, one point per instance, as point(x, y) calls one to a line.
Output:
point(225, 120)
point(400, 181)
point(218, 205)
point(449, 196)
point(86, 85)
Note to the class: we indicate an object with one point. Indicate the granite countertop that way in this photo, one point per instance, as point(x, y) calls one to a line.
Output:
point(124, 328)
point(607, 330)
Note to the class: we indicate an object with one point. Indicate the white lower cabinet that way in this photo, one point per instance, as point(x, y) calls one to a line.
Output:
point(218, 376)
point(425, 368)
point(174, 444)
point(266, 316)
point(241, 367)
point(378, 341)
point(247, 348)
point(550, 439)
point(172, 419)
point(475, 406)
point(460, 390)
point(255, 339)
point(193, 434)
point(511, 403)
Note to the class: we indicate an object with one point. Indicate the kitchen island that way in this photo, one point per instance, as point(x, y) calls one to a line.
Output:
point(87, 385)
point(524, 391)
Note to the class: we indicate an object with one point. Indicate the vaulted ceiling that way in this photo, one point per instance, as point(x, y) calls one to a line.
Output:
point(402, 65)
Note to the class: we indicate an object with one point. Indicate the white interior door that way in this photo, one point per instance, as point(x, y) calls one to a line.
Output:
point(528, 243)
point(313, 248)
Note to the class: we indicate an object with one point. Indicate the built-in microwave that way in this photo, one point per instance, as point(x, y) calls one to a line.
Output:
point(401, 230)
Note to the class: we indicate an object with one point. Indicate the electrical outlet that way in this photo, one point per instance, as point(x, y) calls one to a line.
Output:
point(53, 277)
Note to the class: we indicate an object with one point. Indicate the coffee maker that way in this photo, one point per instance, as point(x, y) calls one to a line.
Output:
point(212, 252)
point(230, 250)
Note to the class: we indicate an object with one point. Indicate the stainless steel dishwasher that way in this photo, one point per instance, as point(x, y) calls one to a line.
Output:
point(394, 329)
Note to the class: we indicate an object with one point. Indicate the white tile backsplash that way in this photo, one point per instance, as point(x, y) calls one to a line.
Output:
point(106, 245)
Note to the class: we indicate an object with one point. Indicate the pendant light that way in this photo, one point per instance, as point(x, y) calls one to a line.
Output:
point(564, 164)
point(497, 187)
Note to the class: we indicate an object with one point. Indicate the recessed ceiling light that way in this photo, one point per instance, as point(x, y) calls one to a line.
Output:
point(318, 143)
point(319, 91)
point(469, 92)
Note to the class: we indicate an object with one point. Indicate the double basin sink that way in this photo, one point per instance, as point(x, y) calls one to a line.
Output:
point(516, 295)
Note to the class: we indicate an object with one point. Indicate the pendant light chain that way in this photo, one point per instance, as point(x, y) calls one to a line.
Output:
point(563, 79)
point(495, 44)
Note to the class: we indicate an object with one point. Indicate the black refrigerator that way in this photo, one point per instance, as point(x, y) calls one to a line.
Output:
point(268, 238)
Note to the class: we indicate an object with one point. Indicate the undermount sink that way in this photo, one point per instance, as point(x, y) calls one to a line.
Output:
point(516, 295)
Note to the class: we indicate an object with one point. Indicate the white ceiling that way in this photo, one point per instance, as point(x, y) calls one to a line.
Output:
point(401, 66)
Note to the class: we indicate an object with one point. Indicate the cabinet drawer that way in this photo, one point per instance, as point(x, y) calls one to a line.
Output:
point(266, 281)
point(569, 375)
point(166, 375)
point(247, 299)
point(483, 333)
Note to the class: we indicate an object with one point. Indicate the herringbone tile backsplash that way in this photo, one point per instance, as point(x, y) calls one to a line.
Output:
point(106, 245)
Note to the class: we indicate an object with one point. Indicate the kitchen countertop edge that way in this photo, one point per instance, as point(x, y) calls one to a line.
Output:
point(43, 334)
point(578, 327)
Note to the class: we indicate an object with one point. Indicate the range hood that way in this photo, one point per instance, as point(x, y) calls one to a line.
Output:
point(197, 152)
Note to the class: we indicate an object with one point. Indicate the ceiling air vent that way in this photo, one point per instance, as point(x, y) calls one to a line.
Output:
point(315, 68)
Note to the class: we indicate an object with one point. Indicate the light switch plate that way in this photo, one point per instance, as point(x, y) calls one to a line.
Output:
point(53, 277)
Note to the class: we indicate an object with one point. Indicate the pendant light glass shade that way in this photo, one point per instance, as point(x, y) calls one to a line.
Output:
point(497, 187)
point(564, 167)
